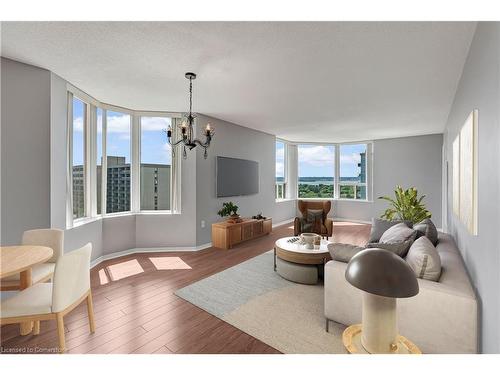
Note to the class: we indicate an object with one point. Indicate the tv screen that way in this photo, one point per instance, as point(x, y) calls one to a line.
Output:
point(236, 177)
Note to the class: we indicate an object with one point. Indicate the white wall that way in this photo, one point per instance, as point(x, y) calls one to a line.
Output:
point(236, 141)
point(479, 88)
point(25, 151)
point(409, 162)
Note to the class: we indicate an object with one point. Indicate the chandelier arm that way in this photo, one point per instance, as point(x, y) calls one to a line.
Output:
point(199, 143)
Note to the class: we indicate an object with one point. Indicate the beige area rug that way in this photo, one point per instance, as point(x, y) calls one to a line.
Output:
point(253, 298)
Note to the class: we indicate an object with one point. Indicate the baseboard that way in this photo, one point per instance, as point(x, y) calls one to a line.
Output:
point(351, 220)
point(138, 250)
point(288, 221)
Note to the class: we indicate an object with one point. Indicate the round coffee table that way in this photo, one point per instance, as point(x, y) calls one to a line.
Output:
point(295, 262)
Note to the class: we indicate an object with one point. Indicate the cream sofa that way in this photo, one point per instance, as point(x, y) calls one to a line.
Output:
point(442, 318)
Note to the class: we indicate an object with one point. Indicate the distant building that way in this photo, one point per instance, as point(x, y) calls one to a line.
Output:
point(361, 190)
point(155, 187)
point(78, 192)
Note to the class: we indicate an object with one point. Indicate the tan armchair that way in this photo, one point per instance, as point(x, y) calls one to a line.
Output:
point(323, 227)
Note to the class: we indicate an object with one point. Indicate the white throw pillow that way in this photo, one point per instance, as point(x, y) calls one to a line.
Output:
point(398, 233)
point(424, 259)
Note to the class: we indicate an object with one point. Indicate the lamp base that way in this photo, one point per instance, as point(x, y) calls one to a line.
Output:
point(351, 338)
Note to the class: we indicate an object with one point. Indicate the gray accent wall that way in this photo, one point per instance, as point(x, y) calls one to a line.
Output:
point(479, 88)
point(236, 141)
point(25, 149)
point(409, 162)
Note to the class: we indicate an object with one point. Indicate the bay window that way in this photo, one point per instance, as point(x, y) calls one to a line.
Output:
point(119, 160)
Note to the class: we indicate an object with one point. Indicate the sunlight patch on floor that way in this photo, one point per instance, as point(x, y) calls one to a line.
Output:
point(124, 269)
point(169, 263)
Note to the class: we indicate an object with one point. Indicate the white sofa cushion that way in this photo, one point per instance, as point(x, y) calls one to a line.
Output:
point(34, 300)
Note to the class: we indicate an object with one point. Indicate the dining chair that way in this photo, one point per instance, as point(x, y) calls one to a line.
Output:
point(52, 301)
point(53, 238)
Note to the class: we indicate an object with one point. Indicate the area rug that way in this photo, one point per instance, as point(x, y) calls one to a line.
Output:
point(255, 299)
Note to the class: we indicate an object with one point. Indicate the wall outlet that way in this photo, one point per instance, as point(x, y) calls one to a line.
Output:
point(203, 223)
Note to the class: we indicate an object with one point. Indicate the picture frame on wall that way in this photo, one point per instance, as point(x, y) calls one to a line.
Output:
point(465, 173)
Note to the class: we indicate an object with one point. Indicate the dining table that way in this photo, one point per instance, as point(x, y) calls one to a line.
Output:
point(20, 260)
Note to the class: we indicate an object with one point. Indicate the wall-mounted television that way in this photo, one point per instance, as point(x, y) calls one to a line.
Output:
point(236, 177)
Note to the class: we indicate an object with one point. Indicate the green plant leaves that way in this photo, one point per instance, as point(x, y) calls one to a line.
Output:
point(228, 208)
point(406, 206)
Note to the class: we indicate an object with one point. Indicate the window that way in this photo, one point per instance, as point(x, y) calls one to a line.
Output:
point(118, 152)
point(78, 157)
point(156, 164)
point(352, 181)
point(316, 169)
point(99, 140)
point(120, 160)
point(280, 170)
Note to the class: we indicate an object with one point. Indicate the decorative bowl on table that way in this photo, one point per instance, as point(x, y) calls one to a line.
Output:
point(308, 239)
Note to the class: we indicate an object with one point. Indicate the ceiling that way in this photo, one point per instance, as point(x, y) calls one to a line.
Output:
point(303, 81)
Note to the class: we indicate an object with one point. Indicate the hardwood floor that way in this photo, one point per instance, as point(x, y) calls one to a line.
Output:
point(136, 310)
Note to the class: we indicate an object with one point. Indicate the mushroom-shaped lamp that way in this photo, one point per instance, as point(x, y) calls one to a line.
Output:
point(383, 276)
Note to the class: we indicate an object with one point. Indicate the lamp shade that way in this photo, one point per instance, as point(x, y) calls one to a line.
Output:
point(383, 273)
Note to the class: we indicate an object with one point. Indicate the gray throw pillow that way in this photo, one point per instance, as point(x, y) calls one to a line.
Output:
point(343, 252)
point(424, 259)
point(313, 215)
point(428, 229)
point(398, 248)
point(379, 226)
point(398, 239)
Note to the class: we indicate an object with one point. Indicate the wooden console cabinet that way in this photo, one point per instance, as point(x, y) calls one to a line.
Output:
point(226, 235)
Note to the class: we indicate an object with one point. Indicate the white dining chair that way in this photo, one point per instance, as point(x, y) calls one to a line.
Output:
point(52, 301)
point(53, 238)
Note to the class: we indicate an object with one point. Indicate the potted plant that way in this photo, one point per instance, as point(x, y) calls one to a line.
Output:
point(229, 209)
point(406, 206)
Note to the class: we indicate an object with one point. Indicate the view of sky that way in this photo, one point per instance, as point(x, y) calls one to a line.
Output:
point(154, 146)
point(319, 160)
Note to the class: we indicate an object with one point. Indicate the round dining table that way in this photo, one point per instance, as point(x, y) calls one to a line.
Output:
point(20, 260)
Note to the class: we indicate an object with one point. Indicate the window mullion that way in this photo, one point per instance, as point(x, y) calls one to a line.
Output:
point(92, 162)
point(104, 164)
point(69, 155)
point(135, 170)
point(336, 190)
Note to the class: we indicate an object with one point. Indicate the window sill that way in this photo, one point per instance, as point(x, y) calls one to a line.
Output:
point(87, 220)
point(284, 200)
point(82, 221)
point(336, 199)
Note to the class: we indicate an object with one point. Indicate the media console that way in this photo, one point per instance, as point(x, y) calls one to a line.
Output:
point(225, 235)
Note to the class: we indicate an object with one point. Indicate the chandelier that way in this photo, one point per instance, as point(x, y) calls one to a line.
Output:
point(186, 127)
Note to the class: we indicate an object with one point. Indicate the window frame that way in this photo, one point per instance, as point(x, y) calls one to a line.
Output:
point(90, 165)
point(337, 184)
point(336, 147)
point(86, 156)
point(138, 164)
point(367, 184)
